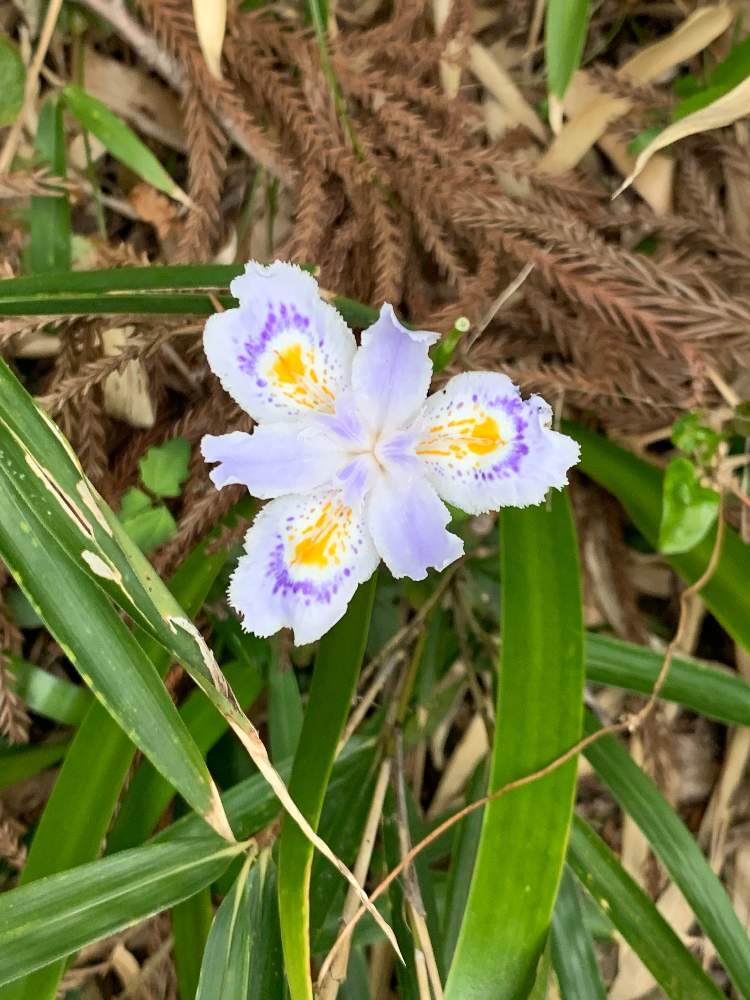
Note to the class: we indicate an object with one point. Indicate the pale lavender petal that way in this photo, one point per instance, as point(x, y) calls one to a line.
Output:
point(276, 459)
point(483, 447)
point(356, 478)
point(284, 352)
point(304, 558)
point(391, 372)
point(407, 521)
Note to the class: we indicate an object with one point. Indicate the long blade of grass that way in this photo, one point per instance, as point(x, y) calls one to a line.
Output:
point(524, 834)
point(88, 786)
point(566, 23)
point(53, 697)
point(50, 247)
point(636, 918)
point(638, 487)
point(83, 621)
point(707, 690)
point(191, 924)
point(573, 955)
point(673, 843)
point(19, 763)
point(337, 667)
point(56, 916)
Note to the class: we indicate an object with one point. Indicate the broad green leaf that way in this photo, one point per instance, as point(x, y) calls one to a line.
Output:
point(719, 694)
point(20, 610)
point(334, 681)
point(19, 763)
point(191, 924)
point(148, 794)
point(87, 788)
point(12, 81)
point(566, 24)
point(50, 214)
point(164, 468)
point(636, 918)
point(81, 618)
point(48, 695)
point(149, 527)
point(101, 292)
point(691, 435)
point(638, 487)
point(225, 970)
point(524, 834)
point(573, 954)
point(120, 140)
point(689, 509)
point(56, 916)
point(678, 851)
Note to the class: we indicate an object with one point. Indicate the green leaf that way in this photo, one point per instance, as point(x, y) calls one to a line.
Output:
point(56, 916)
point(120, 140)
point(225, 970)
point(48, 695)
point(740, 423)
point(165, 468)
point(524, 834)
point(334, 681)
point(12, 82)
point(636, 918)
point(566, 24)
point(191, 924)
point(719, 694)
point(19, 763)
point(638, 487)
point(82, 620)
point(50, 214)
point(688, 509)
point(88, 786)
point(148, 794)
point(692, 436)
point(678, 851)
point(149, 528)
point(285, 713)
point(573, 954)
point(21, 611)
point(643, 139)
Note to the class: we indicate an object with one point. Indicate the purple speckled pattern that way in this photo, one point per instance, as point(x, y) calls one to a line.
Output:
point(357, 464)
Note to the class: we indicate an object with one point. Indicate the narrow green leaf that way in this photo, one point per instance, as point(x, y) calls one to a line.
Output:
point(636, 918)
point(689, 509)
point(87, 788)
point(19, 763)
point(82, 619)
point(120, 140)
point(566, 24)
point(719, 694)
point(48, 695)
point(12, 82)
point(334, 681)
point(524, 834)
point(148, 794)
point(573, 954)
point(225, 970)
point(673, 843)
point(50, 214)
point(638, 487)
point(56, 916)
point(285, 713)
point(164, 468)
point(191, 924)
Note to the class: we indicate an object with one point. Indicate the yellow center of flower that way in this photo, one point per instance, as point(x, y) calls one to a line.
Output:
point(320, 540)
point(294, 372)
point(477, 435)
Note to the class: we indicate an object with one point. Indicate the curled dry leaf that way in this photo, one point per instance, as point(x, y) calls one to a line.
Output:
point(724, 111)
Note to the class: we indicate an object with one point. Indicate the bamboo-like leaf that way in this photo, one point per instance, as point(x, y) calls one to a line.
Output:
point(334, 681)
point(573, 955)
point(19, 763)
point(50, 247)
point(225, 970)
point(82, 619)
point(57, 915)
point(707, 690)
point(191, 924)
point(524, 834)
point(119, 139)
point(673, 843)
point(638, 487)
point(636, 918)
point(48, 695)
point(88, 786)
point(566, 23)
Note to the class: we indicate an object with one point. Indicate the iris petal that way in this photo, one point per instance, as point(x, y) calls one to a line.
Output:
point(284, 352)
point(483, 447)
point(304, 558)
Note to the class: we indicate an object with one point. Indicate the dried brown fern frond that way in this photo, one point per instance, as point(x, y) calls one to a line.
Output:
point(208, 146)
